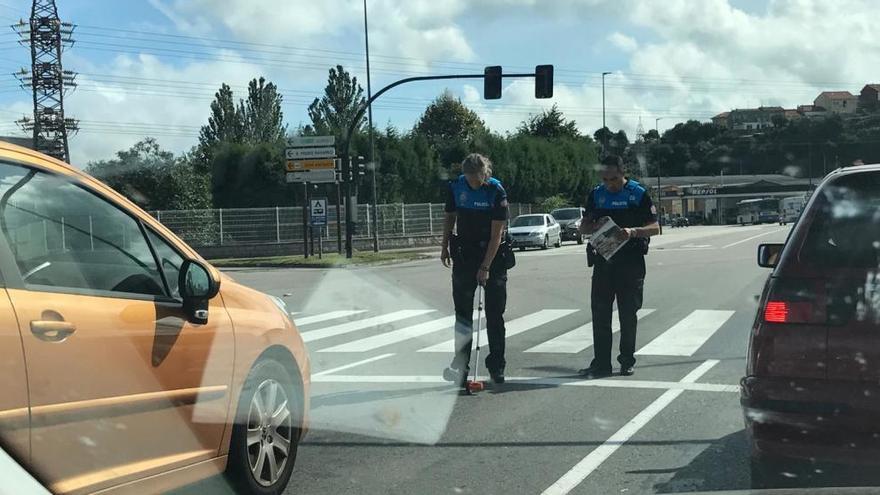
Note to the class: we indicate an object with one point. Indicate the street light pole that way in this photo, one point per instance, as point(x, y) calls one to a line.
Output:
point(659, 191)
point(375, 218)
point(604, 133)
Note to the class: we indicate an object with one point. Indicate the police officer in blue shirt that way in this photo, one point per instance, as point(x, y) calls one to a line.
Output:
point(476, 206)
point(623, 276)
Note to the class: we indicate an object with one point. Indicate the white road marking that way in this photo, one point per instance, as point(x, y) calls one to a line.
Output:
point(665, 250)
point(580, 338)
point(350, 365)
point(354, 326)
point(548, 381)
point(747, 239)
point(688, 335)
point(332, 315)
point(395, 336)
point(513, 327)
point(577, 474)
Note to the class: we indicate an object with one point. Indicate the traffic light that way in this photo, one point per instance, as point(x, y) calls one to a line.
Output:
point(492, 82)
point(359, 167)
point(543, 81)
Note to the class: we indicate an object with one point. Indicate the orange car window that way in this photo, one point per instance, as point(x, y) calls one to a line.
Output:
point(169, 260)
point(62, 236)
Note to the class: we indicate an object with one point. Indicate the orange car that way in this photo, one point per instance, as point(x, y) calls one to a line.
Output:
point(129, 364)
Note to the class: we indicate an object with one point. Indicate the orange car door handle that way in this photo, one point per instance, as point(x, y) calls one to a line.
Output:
point(52, 331)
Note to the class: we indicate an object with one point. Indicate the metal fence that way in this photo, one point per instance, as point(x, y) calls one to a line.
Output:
point(222, 227)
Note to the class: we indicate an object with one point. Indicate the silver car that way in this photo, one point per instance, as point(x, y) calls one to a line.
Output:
point(538, 230)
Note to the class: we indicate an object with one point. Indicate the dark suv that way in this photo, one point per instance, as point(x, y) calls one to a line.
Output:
point(569, 221)
point(812, 387)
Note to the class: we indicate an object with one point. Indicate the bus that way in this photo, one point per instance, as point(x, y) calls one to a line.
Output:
point(755, 211)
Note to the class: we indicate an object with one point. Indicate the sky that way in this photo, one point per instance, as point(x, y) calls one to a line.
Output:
point(151, 67)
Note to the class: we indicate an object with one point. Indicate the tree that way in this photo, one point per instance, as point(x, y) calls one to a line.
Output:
point(618, 143)
point(334, 112)
point(549, 124)
point(249, 176)
point(603, 135)
point(153, 178)
point(554, 202)
point(225, 125)
point(450, 128)
point(652, 135)
point(258, 119)
point(261, 114)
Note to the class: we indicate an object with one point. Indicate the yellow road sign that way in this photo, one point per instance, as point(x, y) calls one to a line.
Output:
point(297, 165)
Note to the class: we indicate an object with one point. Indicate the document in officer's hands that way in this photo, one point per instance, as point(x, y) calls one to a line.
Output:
point(608, 238)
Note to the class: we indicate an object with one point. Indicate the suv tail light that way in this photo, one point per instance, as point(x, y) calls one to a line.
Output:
point(789, 312)
point(796, 301)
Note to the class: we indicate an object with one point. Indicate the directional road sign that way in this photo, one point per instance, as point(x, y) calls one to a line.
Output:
point(311, 141)
point(313, 176)
point(322, 164)
point(306, 153)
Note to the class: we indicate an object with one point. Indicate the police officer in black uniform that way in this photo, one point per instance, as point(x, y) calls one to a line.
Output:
point(476, 206)
point(623, 276)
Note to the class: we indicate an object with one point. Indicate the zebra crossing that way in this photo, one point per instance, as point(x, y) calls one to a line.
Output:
point(430, 331)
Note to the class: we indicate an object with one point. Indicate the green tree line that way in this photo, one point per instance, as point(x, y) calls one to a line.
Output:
point(238, 161)
point(802, 147)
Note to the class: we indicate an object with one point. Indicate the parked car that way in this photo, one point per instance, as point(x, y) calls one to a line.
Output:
point(679, 222)
point(812, 387)
point(537, 230)
point(570, 222)
point(128, 360)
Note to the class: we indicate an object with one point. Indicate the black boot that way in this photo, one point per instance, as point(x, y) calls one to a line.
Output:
point(497, 376)
point(595, 372)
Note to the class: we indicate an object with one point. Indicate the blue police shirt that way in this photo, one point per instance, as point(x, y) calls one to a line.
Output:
point(476, 208)
point(629, 207)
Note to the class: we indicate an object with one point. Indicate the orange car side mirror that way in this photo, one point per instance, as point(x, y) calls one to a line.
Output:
point(197, 287)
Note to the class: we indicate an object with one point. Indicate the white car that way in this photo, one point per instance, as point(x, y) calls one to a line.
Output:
point(539, 230)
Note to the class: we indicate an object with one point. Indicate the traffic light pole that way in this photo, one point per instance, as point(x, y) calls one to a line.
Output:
point(347, 176)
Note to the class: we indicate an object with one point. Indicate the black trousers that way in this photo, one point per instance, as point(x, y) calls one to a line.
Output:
point(623, 280)
point(464, 285)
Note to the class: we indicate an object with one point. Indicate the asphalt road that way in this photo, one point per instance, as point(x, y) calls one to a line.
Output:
point(383, 421)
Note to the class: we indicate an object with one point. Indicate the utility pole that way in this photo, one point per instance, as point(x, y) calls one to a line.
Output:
point(659, 191)
point(47, 37)
point(604, 133)
point(375, 218)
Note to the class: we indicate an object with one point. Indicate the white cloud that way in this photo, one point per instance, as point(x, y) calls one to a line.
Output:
point(623, 42)
point(694, 58)
point(420, 29)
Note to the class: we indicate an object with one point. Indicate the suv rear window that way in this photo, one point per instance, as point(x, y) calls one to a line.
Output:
point(845, 231)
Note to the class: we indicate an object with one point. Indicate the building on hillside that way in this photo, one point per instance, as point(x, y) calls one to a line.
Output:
point(869, 97)
point(811, 111)
point(752, 119)
point(721, 120)
point(791, 114)
point(839, 102)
